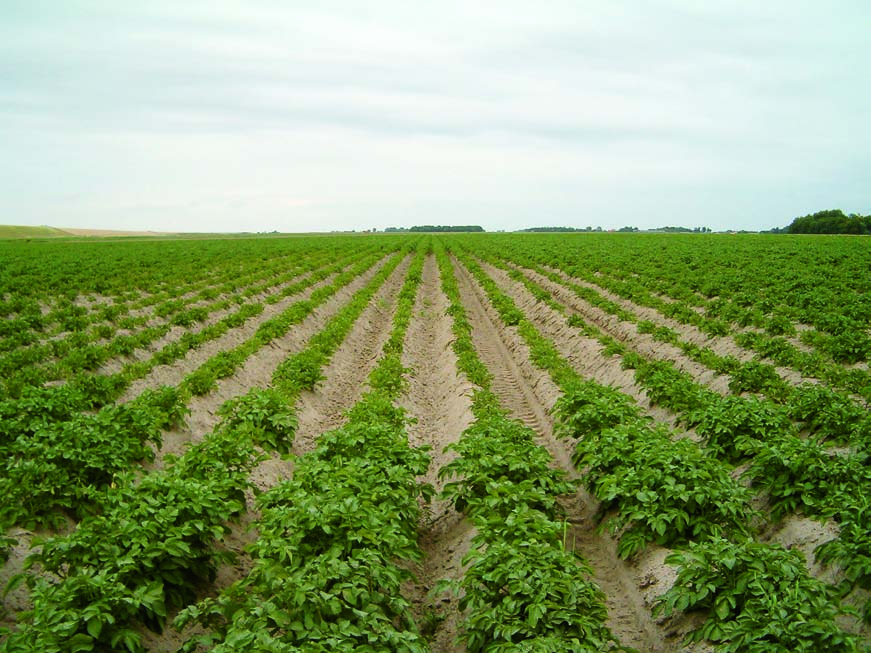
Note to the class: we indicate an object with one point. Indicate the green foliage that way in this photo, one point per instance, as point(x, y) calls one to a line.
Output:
point(388, 377)
point(265, 416)
point(759, 598)
point(66, 465)
point(757, 377)
point(327, 571)
point(520, 594)
point(733, 427)
point(830, 415)
point(496, 450)
point(667, 386)
point(300, 372)
point(851, 550)
point(663, 491)
point(586, 409)
point(148, 551)
point(803, 475)
point(832, 221)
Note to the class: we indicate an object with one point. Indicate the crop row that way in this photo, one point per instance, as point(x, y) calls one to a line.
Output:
point(657, 489)
point(846, 339)
point(523, 589)
point(83, 352)
point(328, 572)
point(797, 473)
point(128, 311)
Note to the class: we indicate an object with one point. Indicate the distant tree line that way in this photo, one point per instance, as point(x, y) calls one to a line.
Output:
point(683, 230)
point(428, 228)
point(831, 221)
point(627, 229)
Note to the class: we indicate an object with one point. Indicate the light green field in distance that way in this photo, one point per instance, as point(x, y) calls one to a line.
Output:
point(13, 231)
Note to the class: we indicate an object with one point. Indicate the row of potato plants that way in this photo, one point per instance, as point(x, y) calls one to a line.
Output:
point(182, 308)
point(657, 489)
point(172, 550)
point(87, 358)
point(524, 589)
point(52, 471)
point(335, 541)
point(820, 408)
point(815, 363)
point(150, 548)
point(797, 473)
point(810, 474)
point(818, 281)
point(65, 315)
point(132, 269)
point(81, 351)
point(51, 324)
point(775, 347)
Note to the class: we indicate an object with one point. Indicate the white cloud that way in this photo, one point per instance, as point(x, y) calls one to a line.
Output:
point(262, 115)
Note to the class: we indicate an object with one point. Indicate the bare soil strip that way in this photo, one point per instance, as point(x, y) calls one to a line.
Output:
point(440, 400)
point(92, 305)
point(346, 374)
point(527, 392)
point(651, 573)
point(583, 353)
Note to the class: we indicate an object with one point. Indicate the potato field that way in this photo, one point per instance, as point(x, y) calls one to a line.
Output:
point(467, 442)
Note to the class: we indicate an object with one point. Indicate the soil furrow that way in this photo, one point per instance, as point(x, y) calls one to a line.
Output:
point(722, 346)
point(529, 393)
point(346, 374)
point(439, 399)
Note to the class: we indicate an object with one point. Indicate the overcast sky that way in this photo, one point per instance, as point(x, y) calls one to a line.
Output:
point(299, 116)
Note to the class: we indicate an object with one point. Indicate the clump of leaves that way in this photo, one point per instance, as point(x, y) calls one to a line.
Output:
point(851, 550)
point(829, 414)
point(265, 416)
point(300, 372)
point(664, 491)
point(733, 427)
point(754, 376)
point(760, 598)
point(803, 475)
point(587, 408)
point(519, 593)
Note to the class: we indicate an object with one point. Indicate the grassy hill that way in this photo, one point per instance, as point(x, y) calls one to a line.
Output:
point(13, 231)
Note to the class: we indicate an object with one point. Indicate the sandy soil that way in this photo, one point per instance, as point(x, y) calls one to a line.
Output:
point(320, 410)
point(325, 408)
point(650, 573)
point(257, 370)
point(722, 346)
point(439, 399)
point(173, 373)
